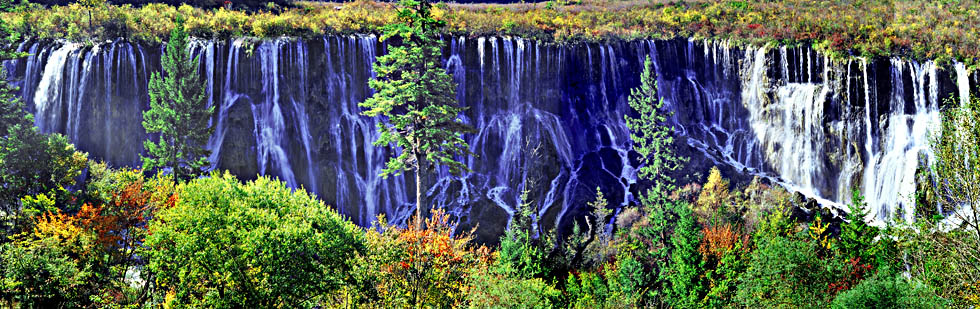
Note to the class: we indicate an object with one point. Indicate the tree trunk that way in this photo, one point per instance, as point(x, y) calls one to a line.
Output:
point(173, 161)
point(418, 198)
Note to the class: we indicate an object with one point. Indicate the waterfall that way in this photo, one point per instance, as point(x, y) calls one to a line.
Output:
point(270, 123)
point(962, 82)
point(48, 98)
point(890, 179)
point(548, 119)
point(229, 99)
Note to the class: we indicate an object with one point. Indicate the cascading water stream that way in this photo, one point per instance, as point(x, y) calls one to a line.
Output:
point(962, 82)
point(890, 183)
point(270, 123)
point(48, 98)
point(229, 99)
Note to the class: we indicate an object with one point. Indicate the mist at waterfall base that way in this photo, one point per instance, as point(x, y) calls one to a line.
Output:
point(549, 119)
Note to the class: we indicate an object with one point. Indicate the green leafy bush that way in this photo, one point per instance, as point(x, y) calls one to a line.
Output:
point(889, 290)
point(499, 291)
point(52, 268)
point(232, 244)
point(787, 272)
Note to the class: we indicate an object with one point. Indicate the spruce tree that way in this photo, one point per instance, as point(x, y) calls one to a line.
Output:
point(653, 137)
point(687, 287)
point(857, 237)
point(179, 113)
point(417, 99)
point(653, 141)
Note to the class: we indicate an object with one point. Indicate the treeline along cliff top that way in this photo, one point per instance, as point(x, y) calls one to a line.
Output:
point(941, 30)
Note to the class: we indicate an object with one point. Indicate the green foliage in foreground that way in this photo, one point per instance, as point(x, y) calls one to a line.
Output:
point(950, 261)
point(256, 244)
point(786, 271)
point(44, 274)
point(889, 290)
point(219, 242)
point(85, 258)
point(32, 163)
point(685, 270)
point(958, 154)
point(494, 290)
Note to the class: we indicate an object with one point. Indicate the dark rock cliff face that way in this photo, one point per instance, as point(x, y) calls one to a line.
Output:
point(549, 118)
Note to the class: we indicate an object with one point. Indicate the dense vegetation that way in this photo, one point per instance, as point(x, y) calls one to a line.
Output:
point(77, 233)
point(933, 29)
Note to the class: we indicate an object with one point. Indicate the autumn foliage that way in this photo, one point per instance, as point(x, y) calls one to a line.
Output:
point(412, 266)
point(855, 272)
point(113, 224)
point(719, 240)
point(934, 29)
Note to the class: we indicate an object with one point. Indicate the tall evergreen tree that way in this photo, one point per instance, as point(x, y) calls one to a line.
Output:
point(653, 141)
point(179, 113)
point(417, 99)
point(687, 286)
point(653, 137)
point(857, 238)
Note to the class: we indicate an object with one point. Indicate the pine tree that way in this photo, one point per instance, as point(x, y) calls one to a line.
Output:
point(520, 254)
point(653, 141)
point(653, 137)
point(684, 271)
point(178, 112)
point(857, 238)
point(417, 98)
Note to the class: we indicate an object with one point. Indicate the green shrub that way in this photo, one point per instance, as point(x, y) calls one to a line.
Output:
point(257, 244)
point(787, 272)
point(48, 272)
point(619, 284)
point(889, 290)
point(498, 291)
point(586, 290)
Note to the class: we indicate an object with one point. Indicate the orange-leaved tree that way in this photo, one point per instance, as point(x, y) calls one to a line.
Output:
point(421, 267)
